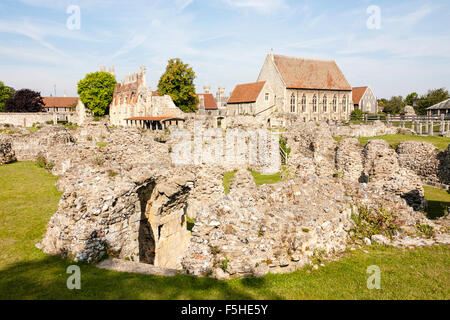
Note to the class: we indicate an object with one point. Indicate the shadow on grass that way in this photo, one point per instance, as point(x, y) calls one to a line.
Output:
point(46, 279)
point(437, 209)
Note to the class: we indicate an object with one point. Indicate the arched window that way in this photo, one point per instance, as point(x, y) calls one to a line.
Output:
point(325, 104)
point(315, 103)
point(334, 104)
point(292, 103)
point(304, 103)
point(344, 103)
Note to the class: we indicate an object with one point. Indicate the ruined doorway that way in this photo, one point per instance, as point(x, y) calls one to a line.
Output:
point(146, 237)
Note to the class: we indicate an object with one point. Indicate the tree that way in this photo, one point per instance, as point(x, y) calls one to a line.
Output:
point(430, 99)
point(394, 105)
point(96, 91)
point(5, 94)
point(178, 83)
point(25, 100)
point(411, 98)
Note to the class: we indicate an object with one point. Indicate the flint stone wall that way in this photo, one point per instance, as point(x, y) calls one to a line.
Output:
point(377, 128)
point(7, 154)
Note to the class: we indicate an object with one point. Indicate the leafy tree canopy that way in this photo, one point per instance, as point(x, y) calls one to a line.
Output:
point(431, 98)
point(178, 82)
point(5, 94)
point(394, 105)
point(96, 91)
point(25, 100)
point(411, 98)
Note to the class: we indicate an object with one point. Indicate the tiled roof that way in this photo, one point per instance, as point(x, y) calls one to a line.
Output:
point(300, 73)
point(247, 92)
point(210, 102)
point(357, 94)
point(60, 102)
point(441, 105)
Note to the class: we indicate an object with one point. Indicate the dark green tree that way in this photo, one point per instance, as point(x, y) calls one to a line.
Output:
point(5, 94)
point(25, 100)
point(411, 98)
point(178, 82)
point(395, 105)
point(96, 91)
point(431, 98)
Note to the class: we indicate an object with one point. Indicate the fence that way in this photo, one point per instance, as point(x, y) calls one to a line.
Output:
point(422, 125)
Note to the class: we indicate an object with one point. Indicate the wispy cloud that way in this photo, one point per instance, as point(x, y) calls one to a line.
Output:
point(413, 17)
point(262, 6)
point(183, 4)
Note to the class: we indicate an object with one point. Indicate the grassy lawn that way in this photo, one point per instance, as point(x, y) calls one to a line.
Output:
point(226, 180)
point(438, 201)
point(394, 140)
point(261, 179)
point(28, 198)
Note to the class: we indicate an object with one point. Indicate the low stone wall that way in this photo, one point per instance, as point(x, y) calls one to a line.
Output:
point(26, 119)
point(378, 128)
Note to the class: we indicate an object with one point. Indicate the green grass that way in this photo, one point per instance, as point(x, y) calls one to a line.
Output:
point(261, 179)
point(394, 140)
point(28, 198)
point(33, 129)
point(438, 202)
point(226, 180)
point(101, 144)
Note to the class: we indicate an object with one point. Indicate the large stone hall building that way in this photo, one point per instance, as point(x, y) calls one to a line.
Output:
point(311, 89)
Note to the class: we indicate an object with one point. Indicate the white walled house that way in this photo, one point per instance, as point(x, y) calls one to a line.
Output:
point(364, 99)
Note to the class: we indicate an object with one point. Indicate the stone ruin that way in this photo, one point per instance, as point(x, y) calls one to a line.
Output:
point(7, 155)
point(125, 200)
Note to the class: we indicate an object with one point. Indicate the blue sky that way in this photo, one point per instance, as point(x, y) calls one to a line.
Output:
point(225, 41)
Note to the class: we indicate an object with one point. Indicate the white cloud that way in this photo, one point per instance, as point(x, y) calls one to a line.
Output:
point(413, 17)
point(262, 6)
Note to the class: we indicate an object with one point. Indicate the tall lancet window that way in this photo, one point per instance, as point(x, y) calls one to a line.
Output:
point(293, 103)
point(314, 103)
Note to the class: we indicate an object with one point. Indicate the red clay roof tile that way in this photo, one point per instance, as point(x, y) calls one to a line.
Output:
point(247, 92)
point(210, 102)
point(357, 94)
point(60, 102)
point(301, 73)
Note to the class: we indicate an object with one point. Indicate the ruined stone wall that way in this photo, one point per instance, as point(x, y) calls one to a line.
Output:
point(377, 128)
point(7, 154)
point(228, 149)
point(25, 119)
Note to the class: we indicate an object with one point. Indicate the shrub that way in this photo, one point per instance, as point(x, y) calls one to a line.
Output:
point(42, 162)
point(426, 230)
point(98, 161)
point(225, 264)
point(285, 149)
point(372, 221)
